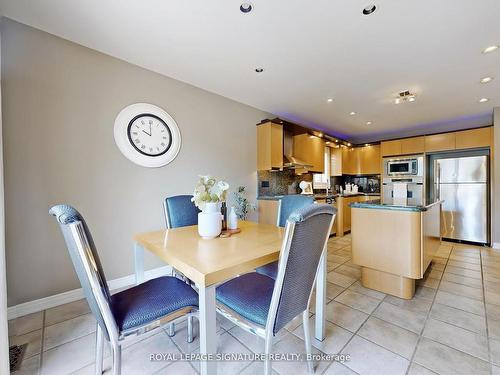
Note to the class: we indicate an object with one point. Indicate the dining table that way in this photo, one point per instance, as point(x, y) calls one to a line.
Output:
point(210, 262)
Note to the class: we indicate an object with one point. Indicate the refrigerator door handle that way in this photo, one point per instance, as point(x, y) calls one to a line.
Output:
point(437, 182)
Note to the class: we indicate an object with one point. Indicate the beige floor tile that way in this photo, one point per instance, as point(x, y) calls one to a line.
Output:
point(67, 311)
point(254, 342)
point(457, 338)
point(422, 292)
point(492, 286)
point(340, 279)
point(469, 266)
point(25, 324)
point(492, 278)
point(180, 337)
point(357, 287)
point(494, 327)
point(255, 368)
point(412, 321)
point(460, 302)
point(416, 369)
point(30, 366)
point(338, 258)
point(33, 339)
point(495, 351)
point(463, 272)
point(438, 265)
point(177, 368)
point(492, 297)
point(344, 316)
point(61, 333)
point(69, 357)
point(457, 279)
point(448, 361)
point(435, 274)
point(465, 259)
point(492, 271)
point(337, 368)
point(460, 318)
point(335, 338)
point(418, 305)
point(368, 358)
point(389, 336)
point(292, 344)
point(461, 290)
point(358, 301)
point(429, 282)
point(353, 272)
point(495, 370)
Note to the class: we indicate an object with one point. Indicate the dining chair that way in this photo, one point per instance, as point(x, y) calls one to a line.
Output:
point(180, 211)
point(263, 306)
point(287, 205)
point(133, 311)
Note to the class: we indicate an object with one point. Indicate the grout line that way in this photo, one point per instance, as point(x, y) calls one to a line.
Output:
point(485, 311)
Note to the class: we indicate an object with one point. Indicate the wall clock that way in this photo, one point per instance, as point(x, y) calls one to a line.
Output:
point(147, 135)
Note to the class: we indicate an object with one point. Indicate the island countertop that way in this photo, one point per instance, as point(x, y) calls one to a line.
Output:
point(377, 204)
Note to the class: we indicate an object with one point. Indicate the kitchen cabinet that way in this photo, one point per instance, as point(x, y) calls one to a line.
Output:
point(390, 148)
point(350, 160)
point(473, 138)
point(414, 145)
point(361, 160)
point(310, 149)
point(335, 161)
point(343, 218)
point(268, 211)
point(269, 146)
point(440, 142)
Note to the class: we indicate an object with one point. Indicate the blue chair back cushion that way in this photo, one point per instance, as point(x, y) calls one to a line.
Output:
point(180, 211)
point(291, 203)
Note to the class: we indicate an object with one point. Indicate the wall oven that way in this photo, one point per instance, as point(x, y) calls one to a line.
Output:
point(406, 172)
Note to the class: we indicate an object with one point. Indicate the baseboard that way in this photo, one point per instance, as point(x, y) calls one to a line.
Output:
point(496, 245)
point(76, 294)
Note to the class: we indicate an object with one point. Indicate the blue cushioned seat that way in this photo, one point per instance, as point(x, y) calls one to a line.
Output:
point(151, 300)
point(180, 211)
point(249, 295)
point(270, 270)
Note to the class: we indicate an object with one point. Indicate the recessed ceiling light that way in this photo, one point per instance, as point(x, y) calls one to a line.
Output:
point(368, 123)
point(327, 143)
point(348, 144)
point(246, 8)
point(259, 70)
point(336, 140)
point(329, 100)
point(483, 100)
point(352, 113)
point(367, 144)
point(369, 9)
point(486, 79)
point(490, 49)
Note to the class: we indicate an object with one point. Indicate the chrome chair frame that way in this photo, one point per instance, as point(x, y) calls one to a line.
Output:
point(112, 333)
point(175, 273)
point(267, 332)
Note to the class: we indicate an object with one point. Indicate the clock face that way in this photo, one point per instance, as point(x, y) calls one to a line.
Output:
point(149, 135)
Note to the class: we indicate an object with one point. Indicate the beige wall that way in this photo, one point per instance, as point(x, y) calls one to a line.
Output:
point(59, 105)
point(495, 203)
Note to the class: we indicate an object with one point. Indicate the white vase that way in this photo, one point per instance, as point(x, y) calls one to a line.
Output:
point(209, 221)
point(232, 220)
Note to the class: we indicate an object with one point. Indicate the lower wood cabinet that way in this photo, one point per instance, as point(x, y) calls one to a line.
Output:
point(268, 211)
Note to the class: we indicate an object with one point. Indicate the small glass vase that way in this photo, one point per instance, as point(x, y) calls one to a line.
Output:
point(210, 221)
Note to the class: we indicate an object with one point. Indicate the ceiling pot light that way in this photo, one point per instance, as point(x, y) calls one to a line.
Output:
point(369, 9)
point(246, 8)
point(329, 100)
point(486, 79)
point(368, 123)
point(259, 70)
point(483, 100)
point(405, 96)
point(352, 113)
point(490, 49)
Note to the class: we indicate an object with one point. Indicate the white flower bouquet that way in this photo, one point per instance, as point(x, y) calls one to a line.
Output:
point(209, 190)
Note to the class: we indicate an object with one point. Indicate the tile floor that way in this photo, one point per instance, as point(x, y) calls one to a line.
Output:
point(451, 326)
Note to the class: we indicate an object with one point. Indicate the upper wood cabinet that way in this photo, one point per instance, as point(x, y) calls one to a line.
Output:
point(311, 150)
point(361, 160)
point(269, 146)
point(440, 142)
point(415, 145)
point(335, 161)
point(390, 148)
point(473, 138)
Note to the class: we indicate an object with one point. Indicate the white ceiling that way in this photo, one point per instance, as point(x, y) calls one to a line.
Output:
point(310, 51)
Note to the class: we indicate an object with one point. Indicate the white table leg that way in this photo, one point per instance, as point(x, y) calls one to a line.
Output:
point(138, 263)
point(208, 329)
point(319, 331)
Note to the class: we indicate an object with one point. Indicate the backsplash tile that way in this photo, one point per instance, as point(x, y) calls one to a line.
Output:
point(280, 182)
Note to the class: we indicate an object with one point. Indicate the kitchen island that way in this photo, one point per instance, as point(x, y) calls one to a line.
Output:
point(394, 244)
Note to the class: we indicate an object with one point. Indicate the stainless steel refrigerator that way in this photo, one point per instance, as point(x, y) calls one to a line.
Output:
point(462, 182)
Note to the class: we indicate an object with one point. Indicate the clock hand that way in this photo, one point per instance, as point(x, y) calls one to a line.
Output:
point(146, 132)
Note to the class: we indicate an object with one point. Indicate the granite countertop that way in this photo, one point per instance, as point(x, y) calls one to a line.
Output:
point(377, 205)
point(316, 196)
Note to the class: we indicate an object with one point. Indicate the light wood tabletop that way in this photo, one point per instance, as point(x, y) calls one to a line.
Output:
point(207, 262)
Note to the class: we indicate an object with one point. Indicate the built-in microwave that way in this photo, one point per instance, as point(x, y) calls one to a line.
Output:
point(411, 166)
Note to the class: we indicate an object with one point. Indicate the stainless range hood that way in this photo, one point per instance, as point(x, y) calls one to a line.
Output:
point(289, 160)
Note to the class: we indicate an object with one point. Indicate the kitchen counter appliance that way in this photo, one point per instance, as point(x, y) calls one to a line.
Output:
point(404, 180)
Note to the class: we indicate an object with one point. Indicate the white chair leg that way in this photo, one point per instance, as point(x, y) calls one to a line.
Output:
point(190, 329)
point(171, 329)
point(99, 352)
point(307, 340)
point(268, 365)
point(117, 359)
